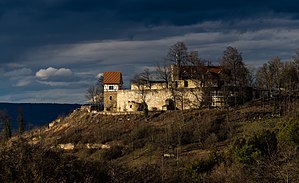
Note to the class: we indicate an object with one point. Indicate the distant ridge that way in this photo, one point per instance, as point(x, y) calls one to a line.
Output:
point(36, 114)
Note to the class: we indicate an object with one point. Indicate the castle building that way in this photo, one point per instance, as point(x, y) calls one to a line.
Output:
point(186, 90)
point(112, 84)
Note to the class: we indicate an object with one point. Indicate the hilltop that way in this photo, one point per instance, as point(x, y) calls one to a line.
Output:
point(200, 145)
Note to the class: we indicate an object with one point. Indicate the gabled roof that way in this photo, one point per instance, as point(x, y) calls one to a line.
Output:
point(113, 78)
point(191, 71)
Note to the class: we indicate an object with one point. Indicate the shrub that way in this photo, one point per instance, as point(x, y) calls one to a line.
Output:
point(264, 144)
point(199, 169)
point(246, 153)
point(113, 153)
point(288, 132)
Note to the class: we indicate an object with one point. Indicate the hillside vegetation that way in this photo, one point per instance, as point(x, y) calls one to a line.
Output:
point(252, 143)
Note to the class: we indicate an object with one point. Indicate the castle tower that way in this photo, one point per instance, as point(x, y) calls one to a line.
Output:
point(112, 83)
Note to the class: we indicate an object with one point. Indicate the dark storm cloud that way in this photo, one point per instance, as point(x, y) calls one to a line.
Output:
point(26, 24)
point(93, 36)
point(188, 12)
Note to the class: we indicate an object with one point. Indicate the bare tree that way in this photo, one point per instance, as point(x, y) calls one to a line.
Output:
point(235, 72)
point(164, 73)
point(296, 64)
point(251, 76)
point(91, 94)
point(278, 76)
point(197, 73)
point(146, 76)
point(276, 66)
point(296, 59)
point(100, 89)
point(142, 82)
point(234, 69)
point(95, 93)
point(290, 78)
point(178, 55)
point(264, 78)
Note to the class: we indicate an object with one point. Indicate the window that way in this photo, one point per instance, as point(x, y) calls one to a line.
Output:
point(185, 84)
point(110, 87)
point(110, 97)
point(130, 106)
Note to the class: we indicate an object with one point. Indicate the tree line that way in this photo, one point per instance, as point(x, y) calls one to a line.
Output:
point(274, 77)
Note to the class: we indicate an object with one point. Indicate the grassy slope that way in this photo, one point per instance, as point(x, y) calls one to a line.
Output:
point(169, 144)
point(185, 134)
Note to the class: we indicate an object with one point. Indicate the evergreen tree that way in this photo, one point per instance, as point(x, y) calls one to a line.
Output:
point(20, 121)
point(6, 125)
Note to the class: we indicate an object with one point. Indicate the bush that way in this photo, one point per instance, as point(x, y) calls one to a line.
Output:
point(246, 153)
point(288, 132)
point(199, 169)
point(264, 144)
point(113, 153)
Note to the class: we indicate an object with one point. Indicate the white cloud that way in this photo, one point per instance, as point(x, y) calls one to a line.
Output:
point(63, 72)
point(44, 74)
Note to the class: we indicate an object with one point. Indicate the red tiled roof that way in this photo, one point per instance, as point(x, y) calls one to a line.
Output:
point(112, 78)
point(214, 69)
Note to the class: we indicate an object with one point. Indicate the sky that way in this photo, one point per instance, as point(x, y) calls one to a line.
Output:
point(51, 51)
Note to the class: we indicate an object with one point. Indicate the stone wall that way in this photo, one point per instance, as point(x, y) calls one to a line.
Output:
point(155, 99)
point(152, 86)
point(128, 100)
point(110, 101)
point(188, 83)
point(188, 98)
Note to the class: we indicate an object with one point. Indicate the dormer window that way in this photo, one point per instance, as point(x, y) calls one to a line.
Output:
point(111, 88)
